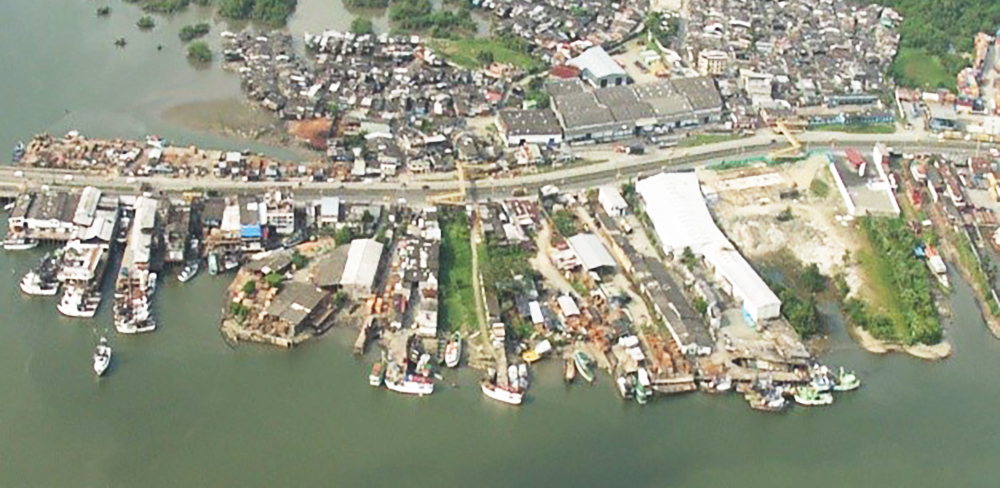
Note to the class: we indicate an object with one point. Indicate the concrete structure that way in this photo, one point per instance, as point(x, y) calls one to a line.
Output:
point(295, 307)
point(676, 206)
point(712, 62)
point(598, 68)
point(329, 211)
point(519, 127)
point(363, 259)
point(589, 251)
point(611, 199)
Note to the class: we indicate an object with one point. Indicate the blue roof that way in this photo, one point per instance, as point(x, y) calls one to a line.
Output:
point(250, 232)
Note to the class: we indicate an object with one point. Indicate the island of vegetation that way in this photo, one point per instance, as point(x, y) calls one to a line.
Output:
point(200, 52)
point(192, 32)
point(272, 12)
point(366, 3)
point(362, 25)
point(145, 23)
point(419, 16)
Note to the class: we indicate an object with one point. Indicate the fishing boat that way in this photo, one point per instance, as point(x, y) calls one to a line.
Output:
point(809, 396)
point(584, 365)
point(190, 269)
point(522, 376)
point(33, 284)
point(102, 357)
point(18, 151)
point(724, 384)
point(79, 303)
point(19, 244)
point(377, 374)
point(501, 394)
point(569, 371)
point(229, 263)
point(410, 384)
point(151, 285)
point(625, 387)
point(643, 387)
point(453, 351)
point(213, 264)
point(937, 266)
point(846, 381)
point(821, 379)
point(768, 401)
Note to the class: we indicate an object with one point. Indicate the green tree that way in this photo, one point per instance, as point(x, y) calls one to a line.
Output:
point(362, 25)
point(191, 32)
point(145, 23)
point(812, 279)
point(700, 305)
point(344, 235)
point(200, 52)
point(249, 287)
point(299, 260)
point(688, 258)
point(273, 280)
point(485, 57)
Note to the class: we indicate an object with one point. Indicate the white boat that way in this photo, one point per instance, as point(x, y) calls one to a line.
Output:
point(136, 327)
point(189, 271)
point(724, 384)
point(77, 303)
point(151, 285)
point(32, 284)
point(522, 376)
point(102, 357)
point(377, 375)
point(19, 244)
point(847, 381)
point(453, 351)
point(501, 394)
point(410, 385)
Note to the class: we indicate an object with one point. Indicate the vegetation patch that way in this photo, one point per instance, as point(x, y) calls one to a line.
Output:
point(362, 25)
point(200, 52)
point(702, 139)
point(799, 287)
point(420, 16)
point(457, 295)
point(901, 284)
point(857, 129)
point(192, 32)
point(919, 69)
point(366, 3)
point(475, 52)
point(272, 12)
point(566, 223)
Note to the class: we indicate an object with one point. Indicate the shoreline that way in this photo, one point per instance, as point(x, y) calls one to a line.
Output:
point(936, 352)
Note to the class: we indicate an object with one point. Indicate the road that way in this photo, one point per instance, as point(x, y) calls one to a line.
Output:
point(617, 166)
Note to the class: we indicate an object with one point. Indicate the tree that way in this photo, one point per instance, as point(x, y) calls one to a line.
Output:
point(191, 32)
point(688, 257)
point(700, 305)
point(249, 287)
point(362, 25)
point(344, 235)
point(200, 52)
point(812, 279)
point(145, 23)
point(485, 57)
point(273, 280)
point(299, 260)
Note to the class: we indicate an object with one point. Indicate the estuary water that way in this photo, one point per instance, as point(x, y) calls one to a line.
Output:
point(181, 408)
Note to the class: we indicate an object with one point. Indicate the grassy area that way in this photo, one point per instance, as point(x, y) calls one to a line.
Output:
point(968, 261)
point(917, 68)
point(466, 52)
point(702, 139)
point(858, 129)
point(457, 296)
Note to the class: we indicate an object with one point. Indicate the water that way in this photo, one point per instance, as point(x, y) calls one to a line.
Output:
point(180, 408)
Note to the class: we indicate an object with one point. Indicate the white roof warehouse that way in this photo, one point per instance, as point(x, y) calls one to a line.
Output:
point(676, 207)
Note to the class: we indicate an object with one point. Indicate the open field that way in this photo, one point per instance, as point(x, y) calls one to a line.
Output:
point(464, 52)
point(457, 303)
point(918, 69)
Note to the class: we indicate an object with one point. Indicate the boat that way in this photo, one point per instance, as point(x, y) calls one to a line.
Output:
point(937, 266)
point(453, 351)
point(377, 374)
point(569, 371)
point(190, 269)
point(584, 365)
point(33, 284)
point(213, 264)
point(522, 376)
point(79, 303)
point(18, 151)
point(643, 387)
point(846, 381)
point(512, 377)
point(229, 263)
point(724, 384)
point(809, 396)
point(102, 357)
point(625, 387)
point(501, 394)
point(821, 379)
point(151, 284)
point(768, 401)
point(530, 356)
point(19, 244)
point(410, 384)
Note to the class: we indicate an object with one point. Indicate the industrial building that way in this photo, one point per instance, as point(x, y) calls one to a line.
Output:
point(599, 68)
point(361, 269)
point(590, 253)
point(529, 127)
point(611, 199)
point(676, 206)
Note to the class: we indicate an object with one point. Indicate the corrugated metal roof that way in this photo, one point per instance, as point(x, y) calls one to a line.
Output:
point(590, 251)
point(598, 62)
point(362, 263)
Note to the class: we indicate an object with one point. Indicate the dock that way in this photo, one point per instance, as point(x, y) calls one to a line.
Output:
point(362, 342)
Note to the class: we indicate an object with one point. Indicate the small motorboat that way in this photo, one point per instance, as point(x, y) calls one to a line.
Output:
point(19, 244)
point(190, 269)
point(453, 351)
point(102, 357)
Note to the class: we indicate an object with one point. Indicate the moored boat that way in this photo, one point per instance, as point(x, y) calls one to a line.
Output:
point(846, 381)
point(569, 371)
point(377, 374)
point(102, 357)
point(501, 394)
point(79, 303)
point(33, 284)
point(410, 384)
point(18, 151)
point(213, 264)
point(453, 351)
point(768, 401)
point(809, 396)
point(189, 271)
point(584, 365)
point(19, 244)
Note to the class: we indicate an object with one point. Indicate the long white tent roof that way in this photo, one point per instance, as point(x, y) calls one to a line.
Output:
point(676, 207)
point(590, 251)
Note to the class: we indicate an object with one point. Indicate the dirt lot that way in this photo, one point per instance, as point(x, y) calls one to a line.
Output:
point(748, 206)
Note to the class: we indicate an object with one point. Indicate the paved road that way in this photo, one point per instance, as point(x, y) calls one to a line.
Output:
point(616, 166)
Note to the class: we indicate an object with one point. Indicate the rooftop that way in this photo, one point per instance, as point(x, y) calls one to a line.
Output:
point(523, 122)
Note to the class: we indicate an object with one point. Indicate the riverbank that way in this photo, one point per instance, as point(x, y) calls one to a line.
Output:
point(935, 352)
point(229, 117)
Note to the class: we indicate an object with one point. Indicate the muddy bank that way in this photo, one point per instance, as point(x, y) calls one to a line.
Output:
point(938, 351)
point(232, 117)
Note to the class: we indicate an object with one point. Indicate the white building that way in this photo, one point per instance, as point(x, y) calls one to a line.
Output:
point(363, 259)
point(676, 207)
point(612, 201)
point(519, 127)
point(329, 211)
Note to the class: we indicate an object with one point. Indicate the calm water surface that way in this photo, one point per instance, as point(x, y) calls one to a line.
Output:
point(180, 408)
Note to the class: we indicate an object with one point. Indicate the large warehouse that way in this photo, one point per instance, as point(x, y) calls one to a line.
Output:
point(676, 207)
point(363, 259)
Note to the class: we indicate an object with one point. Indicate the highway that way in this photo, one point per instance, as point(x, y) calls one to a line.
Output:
point(417, 189)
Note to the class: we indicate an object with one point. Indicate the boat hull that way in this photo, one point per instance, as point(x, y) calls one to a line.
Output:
point(501, 395)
